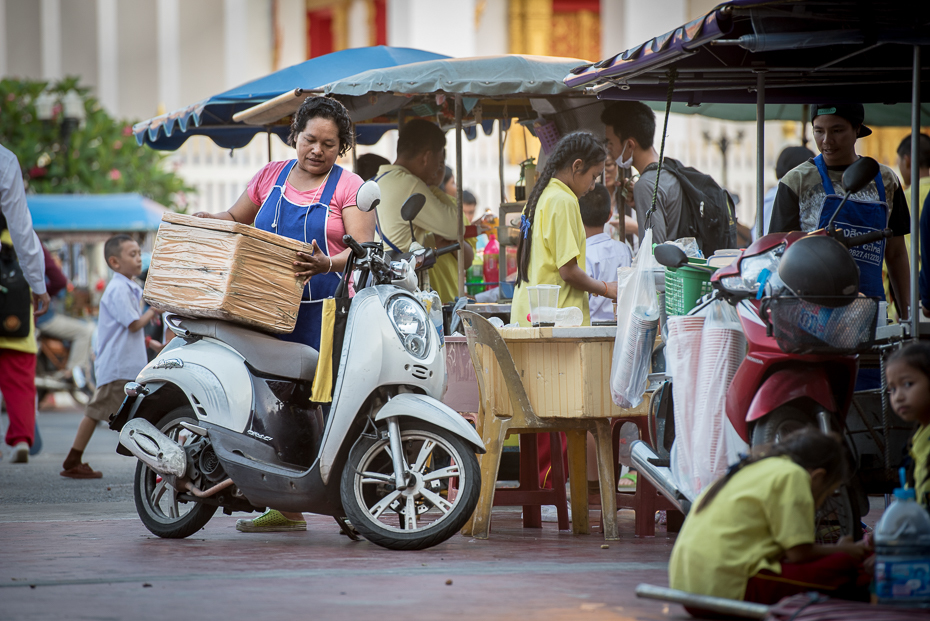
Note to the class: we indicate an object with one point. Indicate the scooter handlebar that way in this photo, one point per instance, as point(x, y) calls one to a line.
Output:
point(868, 238)
point(357, 250)
point(446, 249)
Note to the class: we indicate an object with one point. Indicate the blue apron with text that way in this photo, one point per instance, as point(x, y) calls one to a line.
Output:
point(304, 223)
point(857, 218)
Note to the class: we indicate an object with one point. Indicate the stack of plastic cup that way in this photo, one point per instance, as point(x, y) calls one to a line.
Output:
point(683, 358)
point(544, 302)
point(631, 363)
point(722, 351)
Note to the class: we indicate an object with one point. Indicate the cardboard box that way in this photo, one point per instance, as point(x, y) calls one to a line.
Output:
point(202, 267)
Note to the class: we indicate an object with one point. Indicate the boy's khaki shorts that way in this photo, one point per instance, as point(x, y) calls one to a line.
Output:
point(106, 400)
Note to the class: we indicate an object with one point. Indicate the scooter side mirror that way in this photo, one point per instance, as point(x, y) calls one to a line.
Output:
point(670, 255)
point(412, 207)
point(859, 174)
point(856, 177)
point(368, 196)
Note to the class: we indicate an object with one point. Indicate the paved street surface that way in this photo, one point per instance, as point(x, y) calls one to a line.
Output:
point(76, 550)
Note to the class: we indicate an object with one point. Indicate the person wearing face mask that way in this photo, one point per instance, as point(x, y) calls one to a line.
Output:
point(630, 131)
point(809, 194)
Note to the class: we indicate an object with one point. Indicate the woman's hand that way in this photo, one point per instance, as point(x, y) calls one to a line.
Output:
point(308, 265)
point(611, 290)
point(202, 214)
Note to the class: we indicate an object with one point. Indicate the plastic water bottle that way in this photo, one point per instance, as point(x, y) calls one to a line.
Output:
point(902, 546)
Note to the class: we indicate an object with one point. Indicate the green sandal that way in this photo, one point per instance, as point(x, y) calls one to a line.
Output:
point(270, 521)
point(629, 487)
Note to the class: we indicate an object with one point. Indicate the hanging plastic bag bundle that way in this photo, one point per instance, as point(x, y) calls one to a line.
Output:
point(637, 323)
point(704, 352)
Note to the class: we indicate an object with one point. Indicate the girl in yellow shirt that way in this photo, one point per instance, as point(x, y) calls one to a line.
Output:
point(552, 242)
point(751, 534)
point(908, 374)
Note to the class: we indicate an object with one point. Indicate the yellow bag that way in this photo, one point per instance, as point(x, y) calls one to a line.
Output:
point(323, 379)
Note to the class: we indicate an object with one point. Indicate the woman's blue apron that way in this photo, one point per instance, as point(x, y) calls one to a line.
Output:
point(859, 217)
point(304, 223)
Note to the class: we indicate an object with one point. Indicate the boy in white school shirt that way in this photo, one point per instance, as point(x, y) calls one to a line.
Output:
point(121, 347)
point(603, 255)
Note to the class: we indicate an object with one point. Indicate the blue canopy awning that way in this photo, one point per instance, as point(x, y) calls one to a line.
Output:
point(94, 213)
point(212, 117)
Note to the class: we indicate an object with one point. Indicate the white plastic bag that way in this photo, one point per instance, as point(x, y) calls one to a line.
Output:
point(704, 351)
point(637, 323)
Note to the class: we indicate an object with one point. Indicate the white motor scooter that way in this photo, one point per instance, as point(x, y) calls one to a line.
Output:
point(223, 418)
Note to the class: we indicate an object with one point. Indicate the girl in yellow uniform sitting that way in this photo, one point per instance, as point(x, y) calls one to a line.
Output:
point(750, 535)
point(552, 242)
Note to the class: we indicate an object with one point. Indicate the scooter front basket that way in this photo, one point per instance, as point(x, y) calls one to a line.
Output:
point(803, 327)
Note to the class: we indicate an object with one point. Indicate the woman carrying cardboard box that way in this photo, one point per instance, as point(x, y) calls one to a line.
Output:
point(312, 200)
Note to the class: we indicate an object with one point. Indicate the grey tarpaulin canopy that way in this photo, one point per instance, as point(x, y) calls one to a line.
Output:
point(782, 52)
point(460, 91)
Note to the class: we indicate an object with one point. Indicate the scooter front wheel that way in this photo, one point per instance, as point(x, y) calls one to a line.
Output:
point(160, 508)
point(427, 511)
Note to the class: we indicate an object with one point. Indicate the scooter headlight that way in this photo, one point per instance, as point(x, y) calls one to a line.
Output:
point(411, 323)
point(752, 268)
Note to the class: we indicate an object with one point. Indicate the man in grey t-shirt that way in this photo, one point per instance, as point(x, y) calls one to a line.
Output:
point(630, 129)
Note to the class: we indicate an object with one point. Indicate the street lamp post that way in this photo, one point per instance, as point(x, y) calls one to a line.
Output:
point(723, 143)
point(72, 115)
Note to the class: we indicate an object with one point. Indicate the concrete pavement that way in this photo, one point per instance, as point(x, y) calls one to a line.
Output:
point(77, 550)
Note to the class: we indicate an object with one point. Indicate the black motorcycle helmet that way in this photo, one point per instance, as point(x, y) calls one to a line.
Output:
point(819, 269)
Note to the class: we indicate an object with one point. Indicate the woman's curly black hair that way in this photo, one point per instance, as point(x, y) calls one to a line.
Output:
point(326, 108)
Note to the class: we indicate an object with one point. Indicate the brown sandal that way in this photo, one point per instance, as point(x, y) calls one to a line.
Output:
point(81, 471)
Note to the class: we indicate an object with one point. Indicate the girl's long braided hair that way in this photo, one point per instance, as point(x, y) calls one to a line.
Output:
point(582, 146)
point(808, 447)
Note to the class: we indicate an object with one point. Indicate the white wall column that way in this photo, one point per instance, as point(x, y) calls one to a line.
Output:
point(107, 56)
point(4, 40)
point(235, 41)
point(413, 23)
point(359, 29)
point(51, 39)
point(612, 31)
point(169, 54)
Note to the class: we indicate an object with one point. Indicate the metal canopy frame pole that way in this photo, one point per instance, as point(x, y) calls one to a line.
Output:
point(915, 197)
point(500, 159)
point(458, 195)
point(268, 133)
point(760, 151)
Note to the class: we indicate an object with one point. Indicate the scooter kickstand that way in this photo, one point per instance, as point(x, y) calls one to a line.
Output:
point(347, 529)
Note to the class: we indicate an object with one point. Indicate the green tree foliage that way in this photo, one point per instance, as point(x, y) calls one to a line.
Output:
point(99, 157)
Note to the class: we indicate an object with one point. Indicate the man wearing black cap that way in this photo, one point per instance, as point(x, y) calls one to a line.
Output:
point(809, 194)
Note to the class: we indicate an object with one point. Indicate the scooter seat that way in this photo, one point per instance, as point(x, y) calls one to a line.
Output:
point(262, 351)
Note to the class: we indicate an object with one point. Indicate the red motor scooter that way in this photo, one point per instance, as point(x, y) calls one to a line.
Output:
point(801, 365)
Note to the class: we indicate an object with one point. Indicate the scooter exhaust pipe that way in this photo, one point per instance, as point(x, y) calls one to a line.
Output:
point(153, 448)
point(659, 476)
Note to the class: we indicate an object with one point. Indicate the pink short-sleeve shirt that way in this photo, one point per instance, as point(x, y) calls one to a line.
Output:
point(262, 183)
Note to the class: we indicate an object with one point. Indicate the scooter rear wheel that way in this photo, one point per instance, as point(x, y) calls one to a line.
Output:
point(157, 502)
point(839, 514)
point(425, 513)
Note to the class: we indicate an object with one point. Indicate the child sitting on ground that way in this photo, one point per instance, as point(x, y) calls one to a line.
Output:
point(603, 255)
point(120, 347)
point(750, 535)
point(908, 374)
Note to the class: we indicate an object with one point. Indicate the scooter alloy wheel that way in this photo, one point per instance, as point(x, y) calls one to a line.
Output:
point(157, 502)
point(423, 514)
point(839, 515)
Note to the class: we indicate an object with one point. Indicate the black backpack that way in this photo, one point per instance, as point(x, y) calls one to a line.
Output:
point(15, 295)
point(707, 211)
